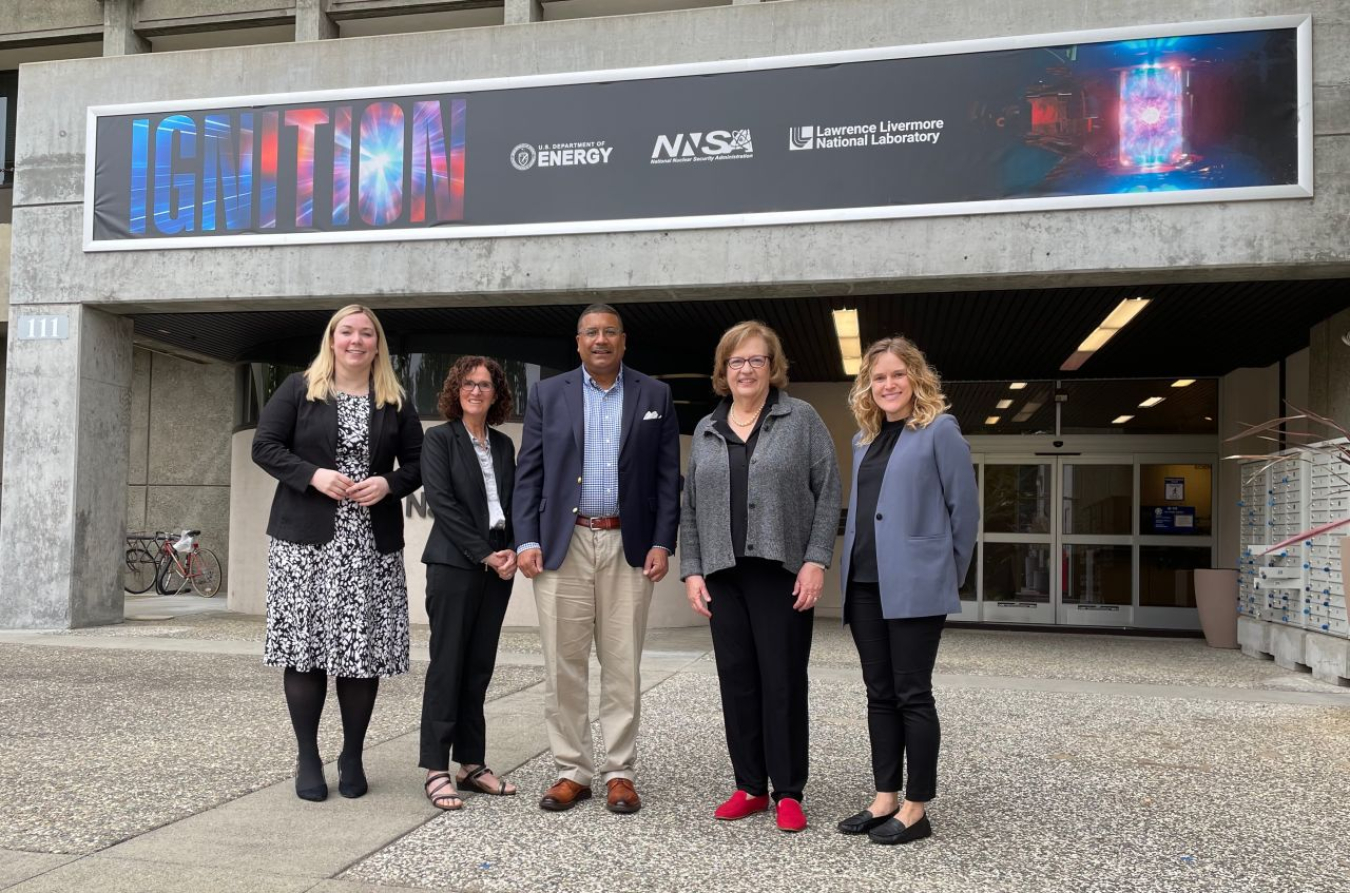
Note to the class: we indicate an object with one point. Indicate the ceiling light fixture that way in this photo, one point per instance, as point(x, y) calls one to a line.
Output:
point(1116, 320)
point(1121, 419)
point(850, 345)
point(1003, 404)
point(1183, 382)
point(1017, 385)
point(1151, 402)
point(991, 420)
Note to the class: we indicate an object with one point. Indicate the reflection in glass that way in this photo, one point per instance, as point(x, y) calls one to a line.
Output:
point(1165, 575)
point(1175, 500)
point(1097, 499)
point(1017, 572)
point(1017, 498)
point(967, 591)
point(1098, 575)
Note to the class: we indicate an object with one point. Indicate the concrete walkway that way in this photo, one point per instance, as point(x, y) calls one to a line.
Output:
point(156, 756)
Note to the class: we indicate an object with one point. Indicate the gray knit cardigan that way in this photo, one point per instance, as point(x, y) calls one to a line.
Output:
point(793, 504)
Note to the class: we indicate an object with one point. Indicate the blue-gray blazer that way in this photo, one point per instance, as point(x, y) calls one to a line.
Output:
point(927, 516)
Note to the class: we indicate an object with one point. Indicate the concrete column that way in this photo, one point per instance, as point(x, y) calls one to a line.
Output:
point(62, 521)
point(119, 29)
point(520, 12)
point(312, 21)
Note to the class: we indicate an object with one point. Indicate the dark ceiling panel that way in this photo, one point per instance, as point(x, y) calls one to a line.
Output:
point(1191, 330)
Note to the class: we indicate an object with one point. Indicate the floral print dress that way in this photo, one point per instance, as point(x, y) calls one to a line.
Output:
point(340, 607)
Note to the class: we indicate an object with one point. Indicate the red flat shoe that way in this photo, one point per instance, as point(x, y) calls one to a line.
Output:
point(790, 816)
point(741, 805)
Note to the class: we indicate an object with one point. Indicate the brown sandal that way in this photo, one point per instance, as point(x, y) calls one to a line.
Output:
point(435, 794)
point(474, 780)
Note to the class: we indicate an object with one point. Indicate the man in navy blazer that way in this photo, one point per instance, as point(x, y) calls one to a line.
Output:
point(596, 513)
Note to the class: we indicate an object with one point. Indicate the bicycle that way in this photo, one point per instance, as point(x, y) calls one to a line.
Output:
point(172, 566)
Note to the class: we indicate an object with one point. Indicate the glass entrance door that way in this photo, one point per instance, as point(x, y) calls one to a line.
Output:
point(1096, 540)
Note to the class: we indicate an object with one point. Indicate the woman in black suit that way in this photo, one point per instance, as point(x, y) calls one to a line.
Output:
point(337, 597)
point(469, 471)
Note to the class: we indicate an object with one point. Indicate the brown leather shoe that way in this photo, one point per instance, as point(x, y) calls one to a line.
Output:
point(623, 797)
point(564, 794)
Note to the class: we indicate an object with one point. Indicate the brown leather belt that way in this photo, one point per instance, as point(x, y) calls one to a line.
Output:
point(598, 523)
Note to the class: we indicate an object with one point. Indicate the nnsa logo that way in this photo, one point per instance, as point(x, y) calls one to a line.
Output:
point(714, 145)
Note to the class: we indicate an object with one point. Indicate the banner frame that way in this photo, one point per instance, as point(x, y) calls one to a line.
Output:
point(1302, 189)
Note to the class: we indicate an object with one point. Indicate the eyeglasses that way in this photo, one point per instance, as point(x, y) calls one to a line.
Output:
point(610, 332)
point(755, 362)
point(481, 386)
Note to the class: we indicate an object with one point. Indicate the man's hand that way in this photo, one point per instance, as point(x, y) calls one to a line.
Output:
point(530, 562)
point(656, 565)
point(369, 491)
point(810, 580)
point(333, 484)
point(697, 593)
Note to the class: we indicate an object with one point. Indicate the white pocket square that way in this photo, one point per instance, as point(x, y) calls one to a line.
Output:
point(651, 414)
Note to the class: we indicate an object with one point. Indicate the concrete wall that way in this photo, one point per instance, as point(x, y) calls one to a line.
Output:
point(1153, 244)
point(1329, 368)
point(48, 19)
point(179, 456)
point(1246, 397)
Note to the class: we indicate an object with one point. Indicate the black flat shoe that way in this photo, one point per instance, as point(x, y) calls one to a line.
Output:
point(313, 793)
point(892, 831)
point(863, 822)
point(351, 777)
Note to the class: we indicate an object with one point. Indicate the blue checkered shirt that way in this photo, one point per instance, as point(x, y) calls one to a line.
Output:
point(600, 458)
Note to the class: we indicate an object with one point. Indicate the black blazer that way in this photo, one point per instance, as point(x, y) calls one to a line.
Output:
point(296, 437)
point(548, 483)
point(458, 498)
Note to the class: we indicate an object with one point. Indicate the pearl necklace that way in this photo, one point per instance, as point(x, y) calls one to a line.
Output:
point(731, 413)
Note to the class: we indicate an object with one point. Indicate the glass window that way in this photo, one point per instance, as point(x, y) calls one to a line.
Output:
point(1016, 572)
point(967, 592)
point(1097, 499)
point(1175, 500)
point(1166, 578)
point(1098, 575)
point(1017, 498)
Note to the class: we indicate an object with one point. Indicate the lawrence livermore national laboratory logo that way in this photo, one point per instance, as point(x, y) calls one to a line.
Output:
point(852, 136)
point(711, 145)
point(526, 156)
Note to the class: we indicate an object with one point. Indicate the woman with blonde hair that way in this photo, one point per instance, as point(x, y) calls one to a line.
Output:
point(761, 507)
point(913, 510)
point(337, 597)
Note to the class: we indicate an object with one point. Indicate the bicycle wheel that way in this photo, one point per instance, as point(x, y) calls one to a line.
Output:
point(172, 580)
point(140, 570)
point(204, 573)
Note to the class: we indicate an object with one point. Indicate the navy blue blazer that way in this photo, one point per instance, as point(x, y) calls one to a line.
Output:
point(453, 482)
point(549, 466)
point(928, 514)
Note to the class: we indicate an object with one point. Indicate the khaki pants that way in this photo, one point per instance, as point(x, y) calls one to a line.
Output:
point(594, 595)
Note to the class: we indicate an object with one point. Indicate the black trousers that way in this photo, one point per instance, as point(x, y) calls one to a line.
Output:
point(762, 648)
point(897, 665)
point(466, 609)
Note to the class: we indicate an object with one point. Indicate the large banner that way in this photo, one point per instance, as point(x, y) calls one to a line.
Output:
point(1205, 112)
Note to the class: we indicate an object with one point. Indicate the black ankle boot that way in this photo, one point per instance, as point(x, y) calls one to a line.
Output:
point(351, 776)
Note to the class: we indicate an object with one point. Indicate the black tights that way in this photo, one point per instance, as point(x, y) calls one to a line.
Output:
point(305, 693)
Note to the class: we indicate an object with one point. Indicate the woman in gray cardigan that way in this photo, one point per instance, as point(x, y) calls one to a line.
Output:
point(912, 516)
point(761, 505)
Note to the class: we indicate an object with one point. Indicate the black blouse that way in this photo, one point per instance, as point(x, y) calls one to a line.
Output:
point(863, 563)
point(739, 454)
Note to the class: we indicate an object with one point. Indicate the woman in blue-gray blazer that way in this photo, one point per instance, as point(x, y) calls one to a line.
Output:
point(913, 510)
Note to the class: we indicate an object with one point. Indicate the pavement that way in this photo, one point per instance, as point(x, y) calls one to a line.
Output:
point(156, 756)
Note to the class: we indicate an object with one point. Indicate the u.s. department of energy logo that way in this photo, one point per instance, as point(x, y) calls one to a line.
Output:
point(800, 138)
point(523, 157)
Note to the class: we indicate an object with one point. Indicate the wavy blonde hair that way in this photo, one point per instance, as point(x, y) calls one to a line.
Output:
point(320, 373)
point(928, 401)
point(737, 335)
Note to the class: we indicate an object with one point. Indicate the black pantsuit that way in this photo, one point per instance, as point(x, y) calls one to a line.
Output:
point(466, 609)
point(762, 647)
point(897, 664)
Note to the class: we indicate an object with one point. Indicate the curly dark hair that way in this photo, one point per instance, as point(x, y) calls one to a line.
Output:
point(448, 401)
